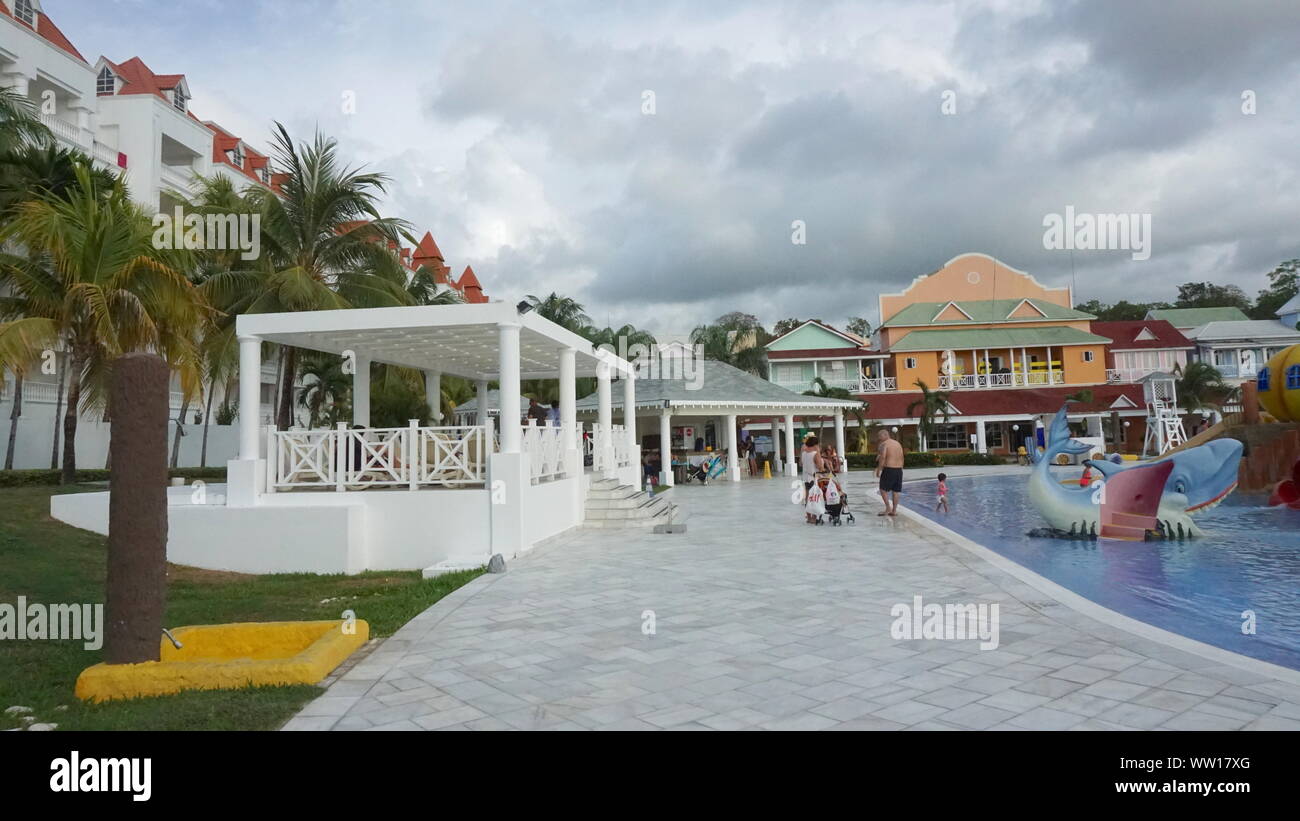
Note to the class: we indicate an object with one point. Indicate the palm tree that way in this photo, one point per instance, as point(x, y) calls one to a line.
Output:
point(20, 126)
point(562, 310)
point(1201, 387)
point(736, 339)
point(933, 405)
point(94, 284)
point(324, 246)
point(824, 391)
point(325, 390)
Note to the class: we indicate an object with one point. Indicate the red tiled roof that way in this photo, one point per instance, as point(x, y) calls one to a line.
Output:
point(1026, 401)
point(469, 286)
point(427, 249)
point(138, 78)
point(1123, 335)
point(46, 29)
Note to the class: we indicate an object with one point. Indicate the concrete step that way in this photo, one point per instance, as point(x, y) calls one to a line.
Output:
point(615, 500)
point(643, 508)
point(662, 519)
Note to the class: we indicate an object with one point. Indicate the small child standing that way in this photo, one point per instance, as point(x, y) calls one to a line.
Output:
point(943, 493)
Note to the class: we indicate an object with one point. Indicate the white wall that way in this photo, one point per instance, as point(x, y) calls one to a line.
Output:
point(36, 436)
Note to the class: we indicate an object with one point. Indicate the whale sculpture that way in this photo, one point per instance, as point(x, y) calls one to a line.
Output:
point(1136, 500)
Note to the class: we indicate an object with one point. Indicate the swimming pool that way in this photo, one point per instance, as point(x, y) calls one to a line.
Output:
point(1249, 559)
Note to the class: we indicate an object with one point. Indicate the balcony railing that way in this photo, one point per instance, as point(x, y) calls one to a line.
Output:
point(177, 177)
point(67, 132)
point(866, 384)
point(412, 457)
point(968, 381)
point(1127, 376)
point(545, 448)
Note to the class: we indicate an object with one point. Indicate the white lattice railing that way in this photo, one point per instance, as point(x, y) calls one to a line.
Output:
point(612, 442)
point(622, 447)
point(545, 448)
point(412, 457)
point(963, 381)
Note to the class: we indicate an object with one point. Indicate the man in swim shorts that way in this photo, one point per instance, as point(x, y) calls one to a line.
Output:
point(889, 470)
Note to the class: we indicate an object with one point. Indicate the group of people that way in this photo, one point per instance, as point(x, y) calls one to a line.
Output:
point(820, 466)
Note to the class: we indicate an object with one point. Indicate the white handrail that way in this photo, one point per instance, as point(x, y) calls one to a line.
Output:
point(352, 459)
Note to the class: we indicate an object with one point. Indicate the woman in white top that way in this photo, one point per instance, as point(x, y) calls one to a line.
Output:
point(811, 462)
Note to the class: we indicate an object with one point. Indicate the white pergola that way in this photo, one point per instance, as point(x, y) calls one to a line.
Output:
point(725, 394)
point(481, 342)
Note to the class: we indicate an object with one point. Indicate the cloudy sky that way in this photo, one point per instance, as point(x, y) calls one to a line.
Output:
point(518, 133)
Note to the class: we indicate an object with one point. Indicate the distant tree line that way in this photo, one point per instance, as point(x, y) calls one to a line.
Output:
point(1283, 285)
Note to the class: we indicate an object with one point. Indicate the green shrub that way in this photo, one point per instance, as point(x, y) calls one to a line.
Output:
point(35, 478)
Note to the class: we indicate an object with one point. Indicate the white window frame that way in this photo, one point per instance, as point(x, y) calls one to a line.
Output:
point(179, 99)
point(1089, 356)
point(25, 12)
point(106, 82)
point(237, 156)
point(909, 363)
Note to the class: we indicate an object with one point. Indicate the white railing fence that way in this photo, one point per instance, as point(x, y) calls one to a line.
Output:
point(344, 459)
point(622, 447)
point(545, 448)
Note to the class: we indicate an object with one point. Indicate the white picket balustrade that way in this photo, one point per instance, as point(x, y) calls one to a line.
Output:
point(355, 459)
point(543, 444)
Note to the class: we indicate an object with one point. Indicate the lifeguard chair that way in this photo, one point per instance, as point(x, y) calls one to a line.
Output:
point(1164, 420)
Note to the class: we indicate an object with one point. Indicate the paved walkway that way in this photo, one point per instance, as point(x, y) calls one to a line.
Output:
point(761, 621)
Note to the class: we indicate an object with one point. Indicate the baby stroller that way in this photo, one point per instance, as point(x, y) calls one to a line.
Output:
point(702, 471)
point(837, 503)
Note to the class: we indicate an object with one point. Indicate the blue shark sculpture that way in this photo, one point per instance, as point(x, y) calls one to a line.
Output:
point(1137, 499)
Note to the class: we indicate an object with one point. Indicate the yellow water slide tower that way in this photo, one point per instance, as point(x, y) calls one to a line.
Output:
point(1279, 385)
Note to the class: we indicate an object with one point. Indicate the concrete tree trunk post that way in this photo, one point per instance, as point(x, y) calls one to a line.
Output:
point(136, 587)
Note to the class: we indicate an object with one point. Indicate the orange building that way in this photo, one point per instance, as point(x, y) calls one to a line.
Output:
point(1005, 348)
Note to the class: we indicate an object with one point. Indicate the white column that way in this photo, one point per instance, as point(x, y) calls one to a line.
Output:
point(568, 397)
point(666, 447)
point(508, 377)
point(481, 400)
point(733, 456)
point(988, 370)
point(433, 395)
point(604, 413)
point(776, 447)
point(17, 82)
point(1024, 365)
point(605, 419)
point(791, 457)
point(980, 442)
point(839, 433)
point(1049, 365)
point(629, 409)
point(250, 395)
point(361, 390)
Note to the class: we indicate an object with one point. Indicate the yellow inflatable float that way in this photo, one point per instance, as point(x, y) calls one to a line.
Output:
point(1279, 385)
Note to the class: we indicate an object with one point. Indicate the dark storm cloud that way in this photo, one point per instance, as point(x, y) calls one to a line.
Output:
point(1110, 107)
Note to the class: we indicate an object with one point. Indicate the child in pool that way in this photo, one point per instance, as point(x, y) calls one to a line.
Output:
point(943, 493)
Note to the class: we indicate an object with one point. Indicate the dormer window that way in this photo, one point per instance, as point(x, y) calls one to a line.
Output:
point(105, 83)
point(236, 156)
point(25, 12)
point(179, 99)
point(264, 174)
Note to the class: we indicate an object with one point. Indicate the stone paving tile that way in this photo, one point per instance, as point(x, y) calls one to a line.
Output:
point(761, 624)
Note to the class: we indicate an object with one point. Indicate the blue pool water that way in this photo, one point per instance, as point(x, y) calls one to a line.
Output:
point(1249, 559)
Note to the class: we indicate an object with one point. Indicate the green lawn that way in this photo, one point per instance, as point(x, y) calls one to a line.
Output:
point(50, 562)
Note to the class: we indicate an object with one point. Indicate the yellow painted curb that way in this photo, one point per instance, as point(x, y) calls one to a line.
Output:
point(226, 656)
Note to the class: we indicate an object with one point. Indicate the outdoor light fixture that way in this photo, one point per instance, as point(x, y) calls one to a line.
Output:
point(524, 307)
